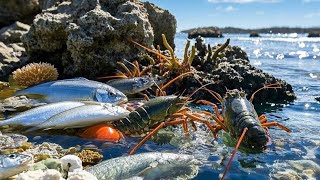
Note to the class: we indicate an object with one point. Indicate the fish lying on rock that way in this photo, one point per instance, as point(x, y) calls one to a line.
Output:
point(83, 116)
point(38, 115)
point(132, 85)
point(77, 89)
point(12, 164)
point(134, 165)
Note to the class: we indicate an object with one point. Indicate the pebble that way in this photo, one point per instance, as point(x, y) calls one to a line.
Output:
point(36, 138)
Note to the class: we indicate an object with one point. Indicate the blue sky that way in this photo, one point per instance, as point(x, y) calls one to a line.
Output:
point(243, 13)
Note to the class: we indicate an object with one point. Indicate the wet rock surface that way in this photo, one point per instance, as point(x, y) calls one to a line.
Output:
point(79, 36)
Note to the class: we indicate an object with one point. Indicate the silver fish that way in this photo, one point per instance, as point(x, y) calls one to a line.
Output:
point(12, 164)
point(75, 89)
point(84, 116)
point(130, 166)
point(38, 115)
point(131, 85)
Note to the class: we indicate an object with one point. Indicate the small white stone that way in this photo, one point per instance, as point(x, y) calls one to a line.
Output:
point(81, 175)
point(71, 163)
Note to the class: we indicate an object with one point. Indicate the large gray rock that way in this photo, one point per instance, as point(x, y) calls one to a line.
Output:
point(163, 22)
point(87, 37)
point(13, 33)
point(10, 58)
point(18, 10)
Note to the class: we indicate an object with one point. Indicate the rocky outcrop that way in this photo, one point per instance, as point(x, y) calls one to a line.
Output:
point(163, 22)
point(11, 57)
point(87, 37)
point(18, 10)
point(254, 34)
point(13, 33)
point(314, 34)
point(205, 32)
point(231, 69)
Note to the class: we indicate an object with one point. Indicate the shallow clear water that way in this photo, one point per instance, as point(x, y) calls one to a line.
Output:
point(294, 59)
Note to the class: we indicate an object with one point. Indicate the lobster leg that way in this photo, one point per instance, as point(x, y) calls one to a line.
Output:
point(234, 152)
point(217, 120)
point(268, 124)
point(160, 126)
point(215, 107)
point(263, 118)
point(206, 122)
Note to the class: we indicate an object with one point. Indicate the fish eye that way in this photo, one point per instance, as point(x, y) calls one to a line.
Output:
point(112, 94)
point(12, 156)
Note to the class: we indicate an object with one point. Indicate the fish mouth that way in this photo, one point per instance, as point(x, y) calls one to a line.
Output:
point(123, 100)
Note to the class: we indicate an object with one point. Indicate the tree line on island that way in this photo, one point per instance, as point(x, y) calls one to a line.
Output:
point(218, 32)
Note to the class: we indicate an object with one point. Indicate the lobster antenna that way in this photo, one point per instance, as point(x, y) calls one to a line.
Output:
point(176, 78)
point(213, 93)
point(234, 152)
point(270, 86)
point(203, 86)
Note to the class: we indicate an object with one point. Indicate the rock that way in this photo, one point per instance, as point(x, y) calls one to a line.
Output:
point(51, 174)
point(48, 164)
point(13, 33)
point(254, 34)
point(10, 59)
point(71, 163)
point(205, 32)
point(232, 68)
point(317, 98)
point(87, 37)
point(4, 85)
point(18, 10)
point(21, 103)
point(314, 34)
point(81, 175)
point(301, 165)
point(157, 17)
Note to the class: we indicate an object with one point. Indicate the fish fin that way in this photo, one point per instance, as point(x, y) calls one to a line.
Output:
point(91, 102)
point(77, 78)
point(33, 96)
point(32, 129)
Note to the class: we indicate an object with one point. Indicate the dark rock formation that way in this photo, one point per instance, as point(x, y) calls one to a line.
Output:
point(18, 10)
point(314, 34)
point(254, 34)
point(87, 37)
point(205, 32)
point(231, 69)
point(13, 33)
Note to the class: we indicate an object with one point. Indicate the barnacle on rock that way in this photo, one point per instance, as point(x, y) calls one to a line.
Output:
point(35, 73)
point(89, 157)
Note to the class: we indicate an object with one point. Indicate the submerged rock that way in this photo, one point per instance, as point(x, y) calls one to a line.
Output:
point(254, 34)
point(86, 38)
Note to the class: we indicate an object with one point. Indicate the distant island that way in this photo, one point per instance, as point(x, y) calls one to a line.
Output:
point(313, 31)
point(259, 30)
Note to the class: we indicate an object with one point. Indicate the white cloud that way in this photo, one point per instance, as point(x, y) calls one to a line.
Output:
point(312, 15)
point(248, 1)
point(230, 8)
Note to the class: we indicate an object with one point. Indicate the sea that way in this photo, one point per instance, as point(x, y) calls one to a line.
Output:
point(294, 58)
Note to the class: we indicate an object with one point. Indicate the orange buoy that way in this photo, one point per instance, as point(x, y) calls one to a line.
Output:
point(102, 132)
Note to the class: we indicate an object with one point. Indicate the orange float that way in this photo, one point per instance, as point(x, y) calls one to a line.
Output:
point(102, 132)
